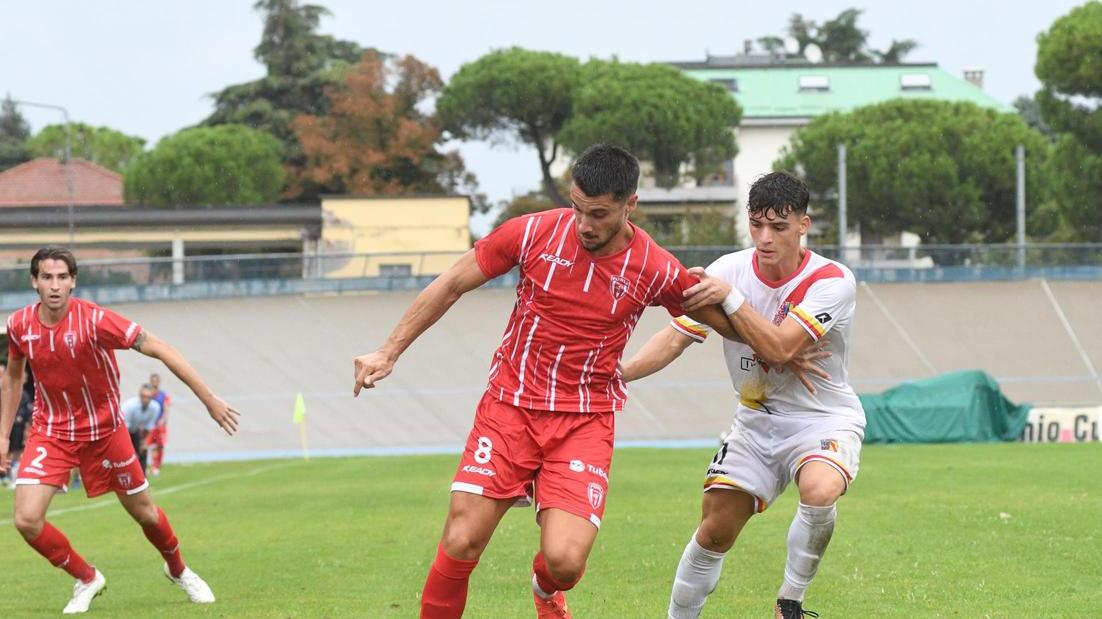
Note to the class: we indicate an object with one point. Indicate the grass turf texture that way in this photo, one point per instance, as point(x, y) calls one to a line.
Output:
point(1005, 530)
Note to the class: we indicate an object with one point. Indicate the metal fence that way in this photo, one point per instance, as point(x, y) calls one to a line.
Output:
point(148, 279)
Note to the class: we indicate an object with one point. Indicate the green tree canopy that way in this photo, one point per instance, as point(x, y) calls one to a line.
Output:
point(943, 170)
point(301, 65)
point(229, 164)
point(14, 132)
point(660, 114)
point(100, 145)
point(1069, 65)
point(514, 94)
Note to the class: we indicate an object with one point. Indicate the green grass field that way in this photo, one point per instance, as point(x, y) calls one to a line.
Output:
point(927, 531)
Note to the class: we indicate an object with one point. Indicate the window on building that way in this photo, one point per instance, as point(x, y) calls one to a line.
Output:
point(915, 81)
point(814, 83)
point(395, 270)
point(730, 83)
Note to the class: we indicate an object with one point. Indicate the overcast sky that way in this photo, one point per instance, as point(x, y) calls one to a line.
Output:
point(147, 67)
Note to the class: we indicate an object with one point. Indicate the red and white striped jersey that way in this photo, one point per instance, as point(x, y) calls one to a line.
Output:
point(75, 372)
point(574, 311)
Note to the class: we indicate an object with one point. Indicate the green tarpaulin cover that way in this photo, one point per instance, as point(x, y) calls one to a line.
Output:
point(952, 408)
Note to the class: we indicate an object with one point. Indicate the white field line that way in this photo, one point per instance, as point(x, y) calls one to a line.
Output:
point(1071, 333)
point(106, 501)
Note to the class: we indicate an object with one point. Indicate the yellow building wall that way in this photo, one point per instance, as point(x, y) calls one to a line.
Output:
point(407, 228)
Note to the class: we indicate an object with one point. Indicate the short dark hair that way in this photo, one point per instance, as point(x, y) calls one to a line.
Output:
point(54, 253)
point(779, 192)
point(606, 169)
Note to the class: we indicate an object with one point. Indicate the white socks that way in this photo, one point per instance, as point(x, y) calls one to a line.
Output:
point(697, 575)
point(807, 540)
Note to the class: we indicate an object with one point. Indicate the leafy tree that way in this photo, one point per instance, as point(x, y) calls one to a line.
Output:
point(375, 138)
point(1069, 57)
point(301, 64)
point(514, 94)
point(943, 170)
point(1030, 111)
point(100, 145)
point(229, 164)
point(659, 113)
point(840, 39)
point(14, 132)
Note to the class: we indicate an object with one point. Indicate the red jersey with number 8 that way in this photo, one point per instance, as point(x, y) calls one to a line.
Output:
point(75, 373)
point(574, 312)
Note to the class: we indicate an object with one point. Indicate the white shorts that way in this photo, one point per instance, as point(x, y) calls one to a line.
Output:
point(763, 452)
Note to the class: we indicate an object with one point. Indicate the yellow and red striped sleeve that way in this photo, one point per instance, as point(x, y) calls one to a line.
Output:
point(812, 325)
point(697, 331)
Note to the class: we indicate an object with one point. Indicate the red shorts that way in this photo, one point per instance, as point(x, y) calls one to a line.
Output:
point(565, 456)
point(107, 464)
point(157, 436)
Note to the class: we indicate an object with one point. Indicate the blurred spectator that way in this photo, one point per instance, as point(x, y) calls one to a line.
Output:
point(141, 414)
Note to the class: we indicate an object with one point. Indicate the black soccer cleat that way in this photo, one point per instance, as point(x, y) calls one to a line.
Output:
point(791, 609)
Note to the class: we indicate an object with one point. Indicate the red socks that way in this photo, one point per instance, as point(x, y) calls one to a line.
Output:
point(545, 581)
point(164, 540)
point(53, 545)
point(445, 594)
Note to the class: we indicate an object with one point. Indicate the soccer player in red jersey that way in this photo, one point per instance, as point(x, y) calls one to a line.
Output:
point(70, 344)
point(543, 430)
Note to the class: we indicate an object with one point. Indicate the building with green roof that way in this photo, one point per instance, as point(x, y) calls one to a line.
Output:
point(778, 96)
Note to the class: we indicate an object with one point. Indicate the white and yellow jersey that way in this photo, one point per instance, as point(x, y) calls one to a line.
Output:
point(820, 296)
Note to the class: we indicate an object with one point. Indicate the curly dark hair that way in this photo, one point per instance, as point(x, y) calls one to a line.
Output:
point(779, 192)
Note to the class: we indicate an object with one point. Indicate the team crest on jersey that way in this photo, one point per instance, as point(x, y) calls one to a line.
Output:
point(70, 339)
point(829, 444)
point(596, 494)
point(782, 312)
point(619, 287)
point(124, 479)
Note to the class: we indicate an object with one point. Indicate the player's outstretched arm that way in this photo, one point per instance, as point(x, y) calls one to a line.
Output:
point(11, 390)
point(659, 351)
point(152, 346)
point(433, 302)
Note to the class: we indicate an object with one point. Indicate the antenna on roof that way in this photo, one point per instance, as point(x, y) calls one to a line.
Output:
point(813, 53)
point(791, 46)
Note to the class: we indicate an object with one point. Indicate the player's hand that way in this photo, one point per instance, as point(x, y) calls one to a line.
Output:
point(369, 369)
point(223, 414)
point(805, 365)
point(5, 462)
point(710, 291)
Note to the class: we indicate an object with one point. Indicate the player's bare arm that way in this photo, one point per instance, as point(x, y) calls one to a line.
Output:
point(11, 390)
point(152, 346)
point(659, 351)
point(777, 344)
point(429, 306)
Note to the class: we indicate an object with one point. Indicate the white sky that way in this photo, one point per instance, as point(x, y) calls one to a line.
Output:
point(146, 67)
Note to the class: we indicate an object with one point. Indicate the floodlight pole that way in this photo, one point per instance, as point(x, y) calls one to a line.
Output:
point(1019, 155)
point(68, 158)
point(842, 203)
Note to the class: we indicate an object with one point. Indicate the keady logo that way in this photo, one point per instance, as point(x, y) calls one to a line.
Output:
point(478, 470)
point(29, 337)
point(563, 262)
point(619, 287)
point(596, 494)
point(577, 466)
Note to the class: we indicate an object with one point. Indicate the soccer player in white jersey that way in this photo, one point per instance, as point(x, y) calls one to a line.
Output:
point(782, 299)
